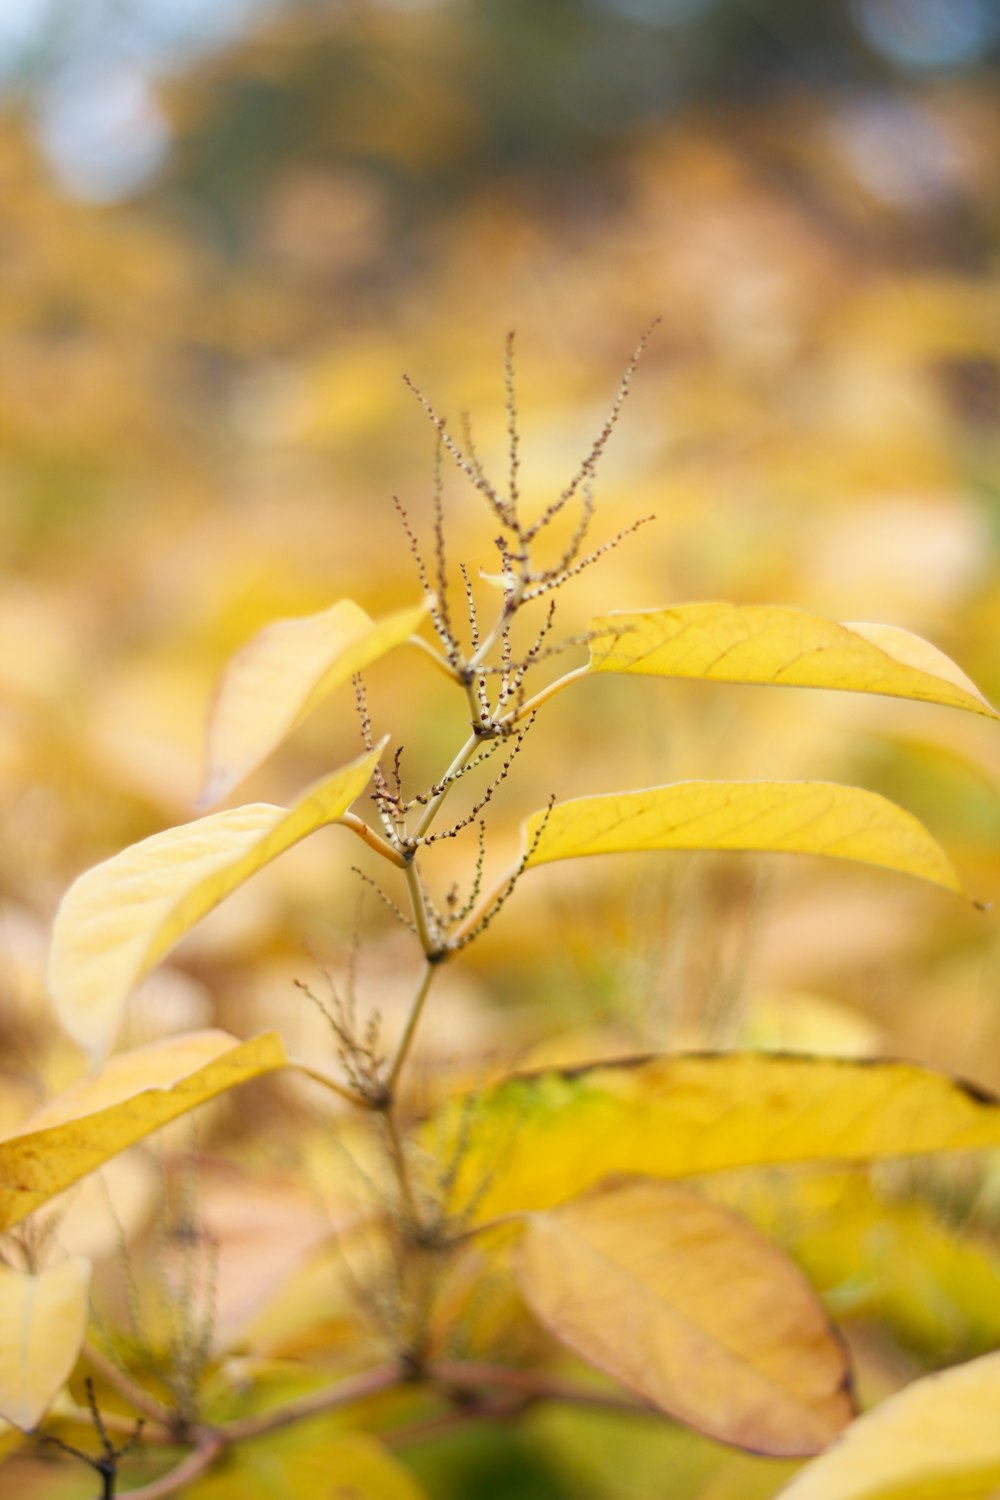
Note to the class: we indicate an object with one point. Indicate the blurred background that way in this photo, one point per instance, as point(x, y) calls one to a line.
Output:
point(226, 231)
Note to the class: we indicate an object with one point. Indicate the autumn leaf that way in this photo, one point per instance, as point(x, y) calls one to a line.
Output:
point(688, 1305)
point(43, 1319)
point(755, 643)
point(121, 917)
point(276, 681)
point(539, 1139)
point(780, 817)
point(938, 1439)
point(133, 1095)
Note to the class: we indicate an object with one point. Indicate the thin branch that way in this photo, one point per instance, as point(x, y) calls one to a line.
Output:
point(345, 1393)
point(134, 1394)
point(472, 470)
point(551, 582)
point(512, 435)
point(210, 1445)
point(586, 469)
point(372, 839)
point(447, 781)
point(385, 899)
point(412, 1021)
point(478, 922)
point(487, 795)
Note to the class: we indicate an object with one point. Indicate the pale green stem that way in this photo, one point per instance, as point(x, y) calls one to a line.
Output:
point(412, 1021)
point(503, 619)
point(430, 812)
point(428, 939)
point(543, 695)
point(330, 1083)
point(442, 664)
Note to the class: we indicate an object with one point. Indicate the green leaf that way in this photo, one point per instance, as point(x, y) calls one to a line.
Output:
point(120, 918)
point(43, 1320)
point(781, 817)
point(133, 1095)
point(939, 1439)
point(756, 643)
point(277, 680)
point(534, 1141)
point(684, 1302)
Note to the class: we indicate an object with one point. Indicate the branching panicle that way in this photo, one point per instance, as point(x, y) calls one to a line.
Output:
point(585, 562)
point(487, 794)
point(472, 470)
point(358, 1052)
point(386, 900)
point(512, 432)
point(507, 889)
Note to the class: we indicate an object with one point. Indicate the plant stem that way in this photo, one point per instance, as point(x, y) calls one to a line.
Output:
point(372, 839)
point(439, 661)
point(123, 1383)
point(399, 1164)
point(544, 694)
point(210, 1445)
point(412, 1022)
point(428, 939)
point(331, 1083)
point(113, 1422)
point(431, 810)
point(357, 1388)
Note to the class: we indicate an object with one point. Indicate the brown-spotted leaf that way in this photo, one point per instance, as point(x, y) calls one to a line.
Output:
point(534, 1141)
point(43, 1319)
point(766, 644)
point(133, 1095)
point(279, 677)
point(780, 817)
point(688, 1305)
point(121, 917)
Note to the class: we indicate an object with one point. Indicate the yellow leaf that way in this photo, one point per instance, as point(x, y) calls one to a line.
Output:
point(779, 817)
point(312, 1461)
point(42, 1323)
point(133, 1095)
point(757, 643)
point(688, 1305)
point(120, 918)
point(939, 1439)
point(277, 680)
point(536, 1140)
